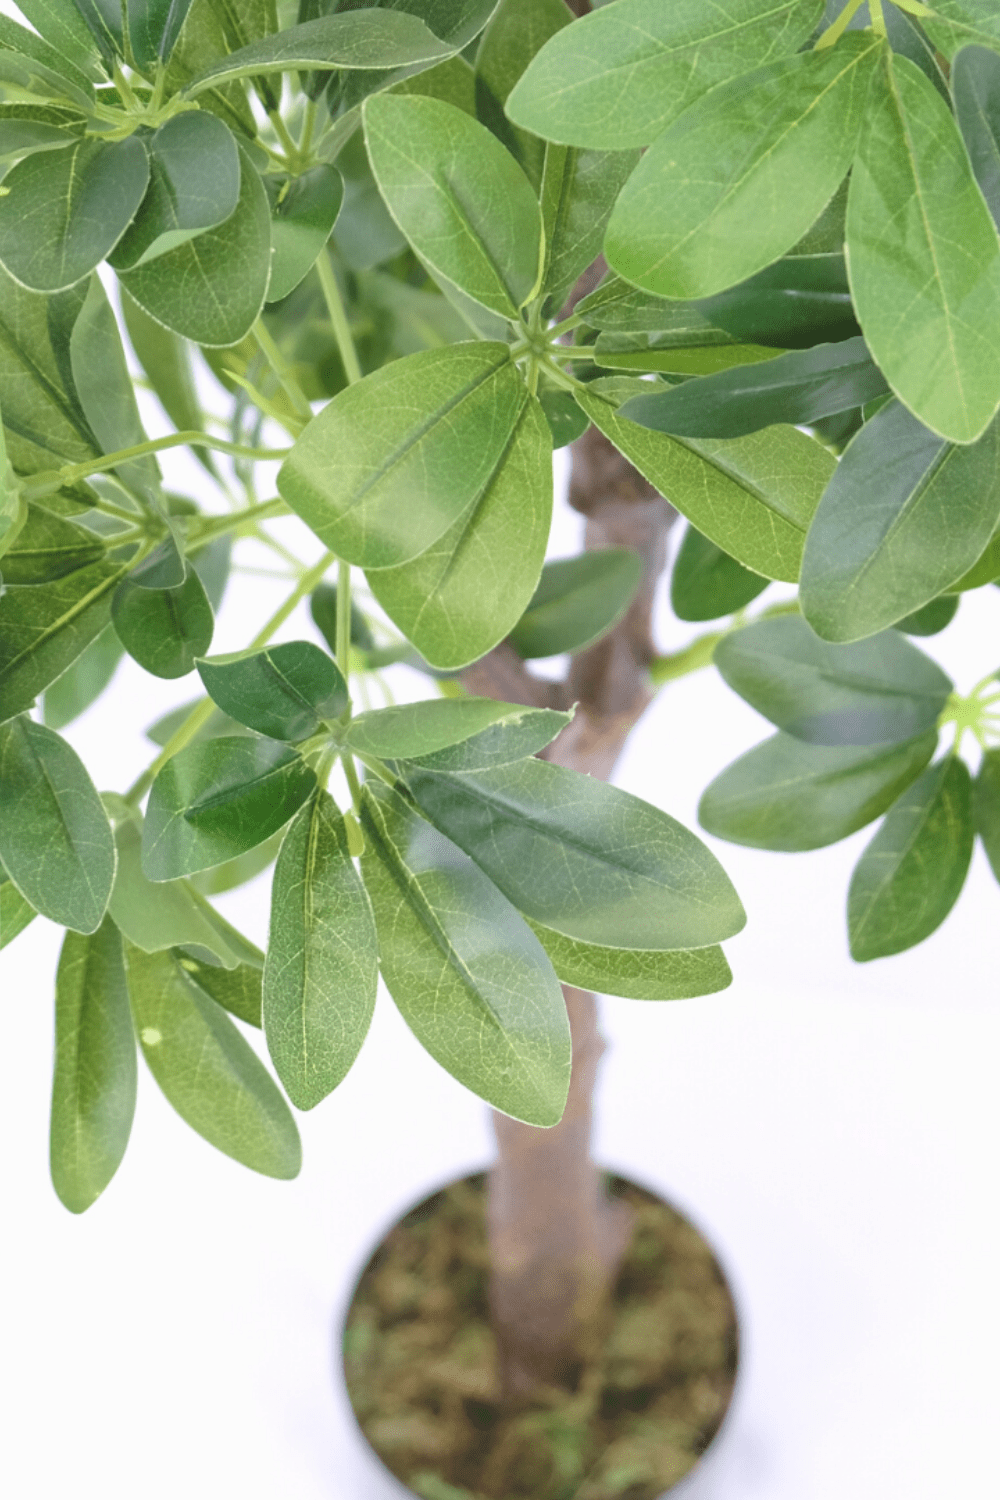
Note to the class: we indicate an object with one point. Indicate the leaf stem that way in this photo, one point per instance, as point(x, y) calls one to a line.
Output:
point(282, 370)
point(338, 318)
point(249, 513)
point(47, 484)
point(281, 131)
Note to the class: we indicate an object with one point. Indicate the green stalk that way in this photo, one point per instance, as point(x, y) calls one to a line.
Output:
point(338, 318)
point(282, 372)
point(48, 484)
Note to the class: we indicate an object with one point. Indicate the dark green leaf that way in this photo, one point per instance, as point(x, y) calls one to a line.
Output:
point(48, 548)
point(164, 629)
point(217, 799)
point(52, 66)
point(986, 807)
point(469, 977)
point(520, 734)
point(153, 28)
point(55, 839)
point(237, 990)
point(371, 38)
point(578, 192)
point(321, 972)
point(874, 692)
point(411, 731)
point(212, 289)
point(303, 212)
point(438, 600)
point(397, 459)
point(742, 174)
point(707, 583)
point(753, 496)
point(106, 20)
point(925, 258)
point(578, 599)
point(323, 608)
point(566, 420)
point(282, 691)
point(459, 197)
point(207, 1071)
point(788, 795)
point(932, 618)
point(194, 185)
point(647, 974)
point(65, 210)
point(621, 75)
point(94, 1084)
point(61, 24)
point(975, 82)
point(15, 912)
point(582, 857)
point(202, 40)
point(911, 874)
point(797, 388)
point(84, 681)
point(25, 128)
point(905, 515)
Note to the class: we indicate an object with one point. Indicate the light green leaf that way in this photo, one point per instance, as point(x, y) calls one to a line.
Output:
point(63, 27)
point(194, 185)
point(622, 74)
point(924, 258)
point(975, 82)
point(787, 795)
point(237, 990)
point(657, 353)
point(212, 288)
point(217, 725)
point(321, 972)
point(459, 197)
point(282, 691)
point(372, 38)
point(639, 974)
point(303, 212)
point(94, 1084)
point(742, 175)
point(15, 913)
point(439, 600)
point(753, 496)
point(411, 731)
point(397, 459)
point(65, 210)
point(578, 599)
point(986, 807)
point(164, 629)
point(873, 692)
point(521, 733)
point(707, 583)
point(217, 799)
point(55, 839)
point(207, 1071)
point(911, 874)
point(905, 515)
point(582, 857)
point(83, 682)
point(467, 974)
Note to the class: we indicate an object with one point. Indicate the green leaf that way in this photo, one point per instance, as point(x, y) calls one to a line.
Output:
point(566, 420)
point(907, 40)
point(409, 731)
point(153, 28)
point(170, 913)
point(796, 388)
point(83, 682)
point(94, 1084)
point(63, 27)
point(321, 972)
point(911, 874)
point(164, 629)
point(44, 628)
point(742, 175)
point(986, 807)
point(217, 799)
point(23, 76)
point(905, 515)
point(707, 583)
point(931, 618)
point(48, 548)
point(438, 600)
point(578, 192)
point(323, 608)
point(622, 74)
point(237, 990)
point(467, 974)
point(25, 128)
point(303, 212)
point(202, 40)
point(236, 872)
point(753, 496)
point(523, 732)
point(207, 1071)
point(15, 913)
point(954, 23)
point(975, 82)
point(578, 599)
point(194, 185)
point(657, 353)
point(645, 974)
point(459, 197)
point(373, 39)
point(924, 258)
point(397, 459)
point(65, 210)
point(55, 839)
point(282, 691)
point(52, 66)
point(788, 795)
point(212, 288)
point(874, 692)
point(106, 20)
point(582, 857)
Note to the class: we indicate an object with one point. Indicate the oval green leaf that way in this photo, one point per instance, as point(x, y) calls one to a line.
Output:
point(164, 630)
point(578, 599)
point(975, 83)
point(707, 583)
point(282, 691)
point(409, 731)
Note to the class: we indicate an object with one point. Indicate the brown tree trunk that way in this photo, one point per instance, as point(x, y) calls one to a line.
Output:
point(555, 1238)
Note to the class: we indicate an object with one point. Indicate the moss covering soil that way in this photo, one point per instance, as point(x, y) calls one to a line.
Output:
point(421, 1364)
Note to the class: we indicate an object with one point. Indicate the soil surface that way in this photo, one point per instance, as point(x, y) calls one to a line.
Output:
point(421, 1364)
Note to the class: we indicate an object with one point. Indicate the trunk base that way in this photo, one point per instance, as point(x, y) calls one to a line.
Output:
point(424, 1377)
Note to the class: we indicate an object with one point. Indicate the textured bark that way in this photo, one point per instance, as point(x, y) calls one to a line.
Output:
point(555, 1239)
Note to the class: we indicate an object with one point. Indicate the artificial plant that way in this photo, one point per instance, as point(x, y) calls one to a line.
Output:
point(381, 229)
